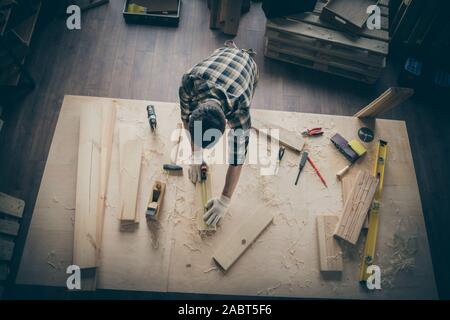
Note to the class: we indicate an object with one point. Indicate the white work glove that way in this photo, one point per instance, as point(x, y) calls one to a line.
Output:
point(217, 207)
point(194, 173)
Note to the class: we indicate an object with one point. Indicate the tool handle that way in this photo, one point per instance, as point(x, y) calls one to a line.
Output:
point(342, 172)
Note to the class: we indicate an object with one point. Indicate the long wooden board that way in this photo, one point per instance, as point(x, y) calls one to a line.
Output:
point(389, 99)
point(11, 206)
point(356, 207)
point(228, 253)
point(203, 228)
point(129, 179)
point(330, 254)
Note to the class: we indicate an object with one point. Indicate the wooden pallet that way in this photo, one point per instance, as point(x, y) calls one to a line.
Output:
point(305, 40)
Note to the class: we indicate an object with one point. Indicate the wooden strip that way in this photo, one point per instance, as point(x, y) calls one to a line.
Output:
point(391, 98)
point(9, 227)
point(130, 177)
point(347, 184)
point(4, 271)
point(330, 254)
point(356, 207)
point(231, 249)
point(11, 206)
point(328, 35)
point(286, 138)
point(202, 227)
point(6, 249)
point(88, 188)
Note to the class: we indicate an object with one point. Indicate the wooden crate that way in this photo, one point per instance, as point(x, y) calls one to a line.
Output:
point(305, 40)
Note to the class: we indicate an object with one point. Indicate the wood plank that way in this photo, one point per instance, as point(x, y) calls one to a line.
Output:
point(330, 254)
point(11, 206)
point(130, 176)
point(88, 188)
point(4, 271)
point(202, 227)
point(9, 227)
point(328, 35)
point(347, 184)
point(231, 249)
point(356, 208)
point(286, 138)
point(389, 99)
point(6, 249)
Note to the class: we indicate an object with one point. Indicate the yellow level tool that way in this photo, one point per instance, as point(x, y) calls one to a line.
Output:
point(371, 239)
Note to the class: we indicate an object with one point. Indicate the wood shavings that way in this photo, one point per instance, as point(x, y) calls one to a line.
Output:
point(210, 269)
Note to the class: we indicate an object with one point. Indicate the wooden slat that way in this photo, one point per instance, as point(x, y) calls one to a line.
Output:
point(130, 176)
point(356, 208)
point(11, 206)
point(328, 35)
point(231, 249)
point(347, 184)
point(6, 249)
point(286, 138)
point(202, 227)
point(391, 98)
point(9, 227)
point(330, 254)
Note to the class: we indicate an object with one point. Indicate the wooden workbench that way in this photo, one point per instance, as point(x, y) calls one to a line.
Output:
point(284, 261)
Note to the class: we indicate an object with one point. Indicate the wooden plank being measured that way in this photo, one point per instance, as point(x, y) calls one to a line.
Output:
point(328, 35)
point(330, 254)
point(11, 206)
point(130, 170)
point(227, 254)
point(391, 98)
point(356, 207)
point(288, 139)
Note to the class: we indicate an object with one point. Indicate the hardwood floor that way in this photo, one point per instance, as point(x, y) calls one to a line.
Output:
point(109, 58)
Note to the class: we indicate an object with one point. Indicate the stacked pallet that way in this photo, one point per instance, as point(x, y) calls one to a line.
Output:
point(306, 40)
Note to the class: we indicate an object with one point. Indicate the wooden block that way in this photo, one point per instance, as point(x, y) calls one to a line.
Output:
point(356, 207)
point(231, 249)
point(11, 206)
point(4, 271)
point(231, 16)
point(286, 138)
point(6, 249)
point(347, 184)
point(391, 98)
point(202, 227)
point(330, 254)
point(9, 227)
point(130, 176)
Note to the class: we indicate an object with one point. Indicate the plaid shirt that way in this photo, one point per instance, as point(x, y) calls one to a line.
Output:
point(228, 76)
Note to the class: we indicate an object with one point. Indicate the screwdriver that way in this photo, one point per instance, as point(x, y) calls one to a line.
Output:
point(303, 159)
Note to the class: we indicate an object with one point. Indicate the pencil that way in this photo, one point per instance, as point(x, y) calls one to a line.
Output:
point(317, 171)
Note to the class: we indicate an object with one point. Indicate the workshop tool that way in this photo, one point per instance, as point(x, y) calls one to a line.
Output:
point(317, 171)
point(371, 239)
point(365, 134)
point(203, 177)
point(359, 149)
point(301, 165)
point(151, 114)
point(155, 201)
point(312, 132)
point(281, 153)
point(173, 169)
point(342, 145)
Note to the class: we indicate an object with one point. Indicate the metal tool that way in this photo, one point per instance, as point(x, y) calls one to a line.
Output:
point(151, 115)
point(371, 239)
point(317, 171)
point(313, 132)
point(281, 153)
point(301, 165)
point(203, 177)
point(172, 167)
point(155, 201)
point(359, 149)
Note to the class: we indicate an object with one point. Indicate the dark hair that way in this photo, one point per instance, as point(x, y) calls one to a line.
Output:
point(211, 116)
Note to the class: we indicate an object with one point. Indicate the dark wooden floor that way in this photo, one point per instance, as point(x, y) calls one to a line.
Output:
point(108, 58)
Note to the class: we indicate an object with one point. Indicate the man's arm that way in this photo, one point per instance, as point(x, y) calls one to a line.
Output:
point(231, 180)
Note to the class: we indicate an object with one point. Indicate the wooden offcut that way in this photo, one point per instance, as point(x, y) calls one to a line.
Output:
point(330, 254)
point(11, 206)
point(130, 170)
point(288, 139)
point(391, 98)
point(356, 207)
point(232, 248)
